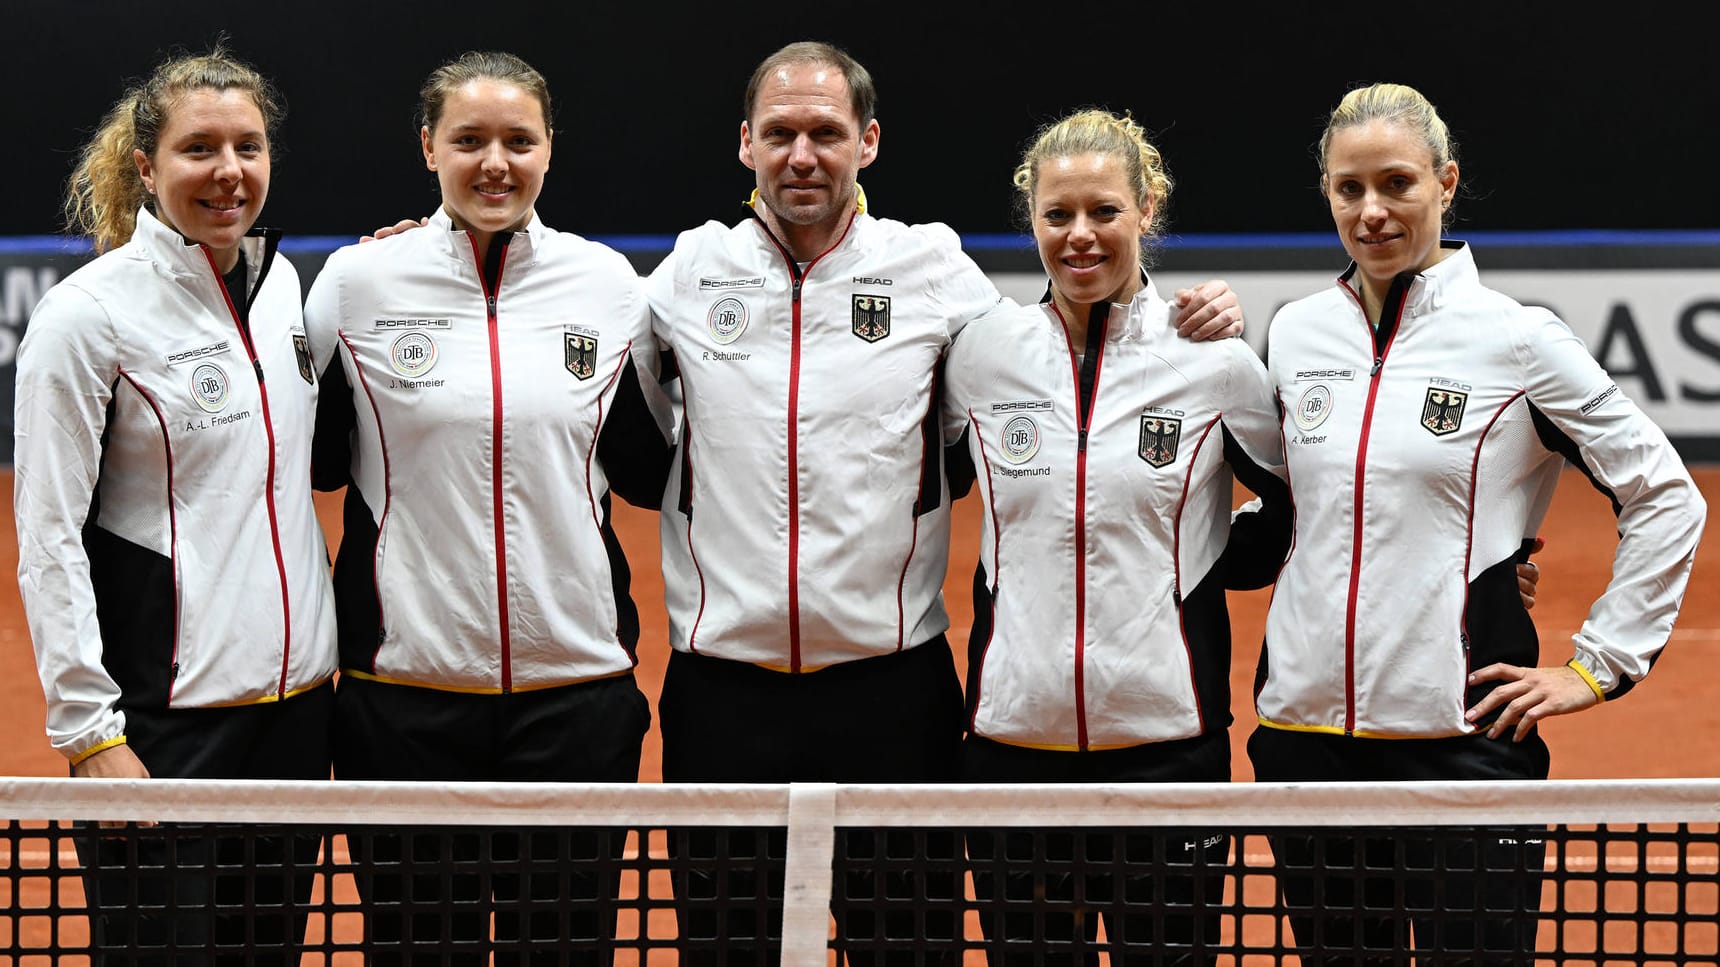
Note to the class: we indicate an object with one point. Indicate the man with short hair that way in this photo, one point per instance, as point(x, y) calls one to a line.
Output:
point(806, 524)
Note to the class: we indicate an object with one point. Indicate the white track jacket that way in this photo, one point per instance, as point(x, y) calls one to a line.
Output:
point(144, 406)
point(477, 550)
point(1097, 530)
point(1419, 465)
point(807, 521)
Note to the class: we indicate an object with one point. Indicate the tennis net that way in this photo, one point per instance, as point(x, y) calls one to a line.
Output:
point(190, 871)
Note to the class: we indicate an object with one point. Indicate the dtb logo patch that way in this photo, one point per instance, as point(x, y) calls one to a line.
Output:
point(871, 317)
point(1312, 407)
point(726, 320)
point(1442, 410)
point(412, 355)
point(1020, 439)
point(1159, 438)
point(580, 353)
point(209, 387)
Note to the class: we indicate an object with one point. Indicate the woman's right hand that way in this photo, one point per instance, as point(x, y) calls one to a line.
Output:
point(118, 762)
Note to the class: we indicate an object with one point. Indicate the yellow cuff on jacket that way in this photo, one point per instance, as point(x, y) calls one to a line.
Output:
point(98, 747)
point(1596, 686)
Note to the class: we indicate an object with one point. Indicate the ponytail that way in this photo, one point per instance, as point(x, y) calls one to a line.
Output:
point(105, 190)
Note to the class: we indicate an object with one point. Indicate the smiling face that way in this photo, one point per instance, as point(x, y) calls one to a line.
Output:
point(1387, 199)
point(807, 148)
point(210, 170)
point(1088, 224)
point(490, 150)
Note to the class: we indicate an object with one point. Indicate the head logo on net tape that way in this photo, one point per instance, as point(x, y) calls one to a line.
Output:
point(209, 386)
point(1313, 407)
point(413, 354)
point(727, 320)
point(1020, 439)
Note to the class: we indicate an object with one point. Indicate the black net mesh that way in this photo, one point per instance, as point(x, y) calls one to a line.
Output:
point(656, 892)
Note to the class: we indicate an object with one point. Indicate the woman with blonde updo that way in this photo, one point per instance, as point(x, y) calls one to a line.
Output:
point(170, 561)
point(1105, 447)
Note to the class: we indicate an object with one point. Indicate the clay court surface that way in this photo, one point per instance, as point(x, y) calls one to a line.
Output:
point(1667, 727)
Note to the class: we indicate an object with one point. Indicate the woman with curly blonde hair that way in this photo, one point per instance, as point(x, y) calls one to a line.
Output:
point(170, 561)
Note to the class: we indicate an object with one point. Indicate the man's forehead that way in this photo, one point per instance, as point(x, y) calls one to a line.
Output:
point(798, 106)
point(805, 83)
point(804, 92)
point(807, 72)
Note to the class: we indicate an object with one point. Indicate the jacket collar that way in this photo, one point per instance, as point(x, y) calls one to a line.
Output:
point(1436, 285)
point(182, 257)
point(1140, 317)
point(190, 261)
point(768, 238)
point(859, 200)
point(522, 248)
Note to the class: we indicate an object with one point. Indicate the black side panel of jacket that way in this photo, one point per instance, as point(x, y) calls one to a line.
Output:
point(331, 444)
point(1206, 628)
point(621, 578)
point(959, 471)
point(136, 608)
point(979, 637)
point(930, 496)
point(668, 372)
point(1497, 625)
point(1259, 539)
point(635, 456)
point(358, 613)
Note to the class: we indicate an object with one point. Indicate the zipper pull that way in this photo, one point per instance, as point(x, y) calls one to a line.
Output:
point(1081, 445)
point(797, 282)
point(1378, 362)
point(257, 364)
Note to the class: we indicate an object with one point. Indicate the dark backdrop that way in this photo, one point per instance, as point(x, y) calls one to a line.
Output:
point(1566, 118)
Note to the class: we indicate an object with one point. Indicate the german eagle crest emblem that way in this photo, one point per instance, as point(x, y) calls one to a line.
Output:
point(302, 351)
point(871, 317)
point(1159, 437)
point(1442, 410)
point(581, 354)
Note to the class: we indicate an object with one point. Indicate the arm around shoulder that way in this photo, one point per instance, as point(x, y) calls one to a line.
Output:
point(966, 292)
